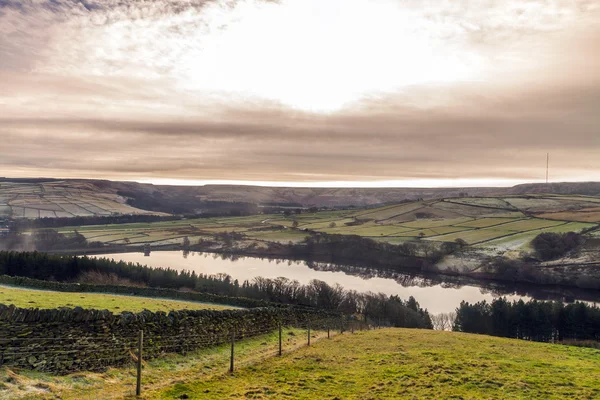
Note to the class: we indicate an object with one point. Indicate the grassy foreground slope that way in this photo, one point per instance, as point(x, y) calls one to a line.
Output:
point(30, 298)
point(410, 364)
point(162, 372)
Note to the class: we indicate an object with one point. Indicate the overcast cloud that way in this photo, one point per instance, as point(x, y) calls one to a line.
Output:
point(300, 90)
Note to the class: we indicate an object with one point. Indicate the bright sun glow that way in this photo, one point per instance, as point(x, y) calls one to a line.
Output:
point(319, 55)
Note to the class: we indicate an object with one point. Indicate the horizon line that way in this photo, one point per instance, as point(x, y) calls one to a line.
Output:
point(351, 184)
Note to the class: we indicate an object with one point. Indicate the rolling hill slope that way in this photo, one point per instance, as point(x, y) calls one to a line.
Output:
point(410, 364)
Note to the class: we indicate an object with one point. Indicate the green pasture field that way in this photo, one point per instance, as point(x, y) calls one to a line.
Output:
point(589, 199)
point(425, 232)
point(30, 298)
point(284, 236)
point(149, 237)
point(369, 230)
point(121, 239)
point(326, 223)
point(466, 210)
point(408, 364)
point(174, 240)
point(283, 222)
point(582, 216)
point(387, 212)
point(522, 240)
point(316, 217)
point(493, 202)
point(486, 222)
point(250, 220)
point(569, 227)
point(386, 363)
point(223, 228)
point(437, 222)
point(5, 210)
point(436, 231)
point(551, 204)
point(473, 236)
point(529, 224)
point(158, 374)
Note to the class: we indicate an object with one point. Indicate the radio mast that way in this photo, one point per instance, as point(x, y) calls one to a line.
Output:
point(547, 165)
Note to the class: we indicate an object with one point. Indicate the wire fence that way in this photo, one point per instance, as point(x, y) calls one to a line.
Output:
point(80, 353)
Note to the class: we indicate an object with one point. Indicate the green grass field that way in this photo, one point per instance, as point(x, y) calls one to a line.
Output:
point(158, 374)
point(377, 364)
point(410, 364)
point(29, 298)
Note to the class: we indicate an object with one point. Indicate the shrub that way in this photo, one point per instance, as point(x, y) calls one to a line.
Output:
point(550, 245)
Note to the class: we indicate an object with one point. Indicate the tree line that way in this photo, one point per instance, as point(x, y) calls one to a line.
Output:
point(354, 249)
point(377, 308)
point(23, 224)
point(541, 321)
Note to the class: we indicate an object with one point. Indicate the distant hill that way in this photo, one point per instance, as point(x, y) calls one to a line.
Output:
point(47, 197)
point(582, 188)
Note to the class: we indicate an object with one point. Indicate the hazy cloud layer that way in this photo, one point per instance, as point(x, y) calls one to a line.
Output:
point(300, 90)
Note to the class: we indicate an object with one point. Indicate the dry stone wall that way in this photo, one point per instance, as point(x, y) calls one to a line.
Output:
point(74, 339)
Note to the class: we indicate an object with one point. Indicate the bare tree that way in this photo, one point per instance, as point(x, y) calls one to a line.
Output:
point(443, 321)
point(324, 295)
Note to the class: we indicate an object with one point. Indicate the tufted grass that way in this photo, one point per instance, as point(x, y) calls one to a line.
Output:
point(410, 364)
point(379, 364)
point(31, 298)
point(169, 370)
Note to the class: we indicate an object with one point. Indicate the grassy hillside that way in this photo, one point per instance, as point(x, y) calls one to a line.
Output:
point(378, 364)
point(158, 374)
point(29, 298)
point(410, 364)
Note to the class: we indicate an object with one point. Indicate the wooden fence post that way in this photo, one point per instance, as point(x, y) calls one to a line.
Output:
point(280, 339)
point(138, 387)
point(232, 350)
point(328, 332)
point(309, 332)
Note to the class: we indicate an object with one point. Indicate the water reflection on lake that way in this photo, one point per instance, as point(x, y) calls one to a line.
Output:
point(432, 294)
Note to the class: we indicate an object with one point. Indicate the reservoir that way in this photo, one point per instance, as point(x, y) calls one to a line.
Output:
point(437, 294)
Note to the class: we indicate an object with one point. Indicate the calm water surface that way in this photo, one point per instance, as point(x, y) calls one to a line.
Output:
point(436, 298)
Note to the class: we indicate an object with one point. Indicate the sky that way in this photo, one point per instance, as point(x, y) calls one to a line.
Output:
point(301, 92)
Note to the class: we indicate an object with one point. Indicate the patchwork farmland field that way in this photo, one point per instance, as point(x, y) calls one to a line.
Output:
point(585, 215)
point(494, 224)
point(57, 199)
